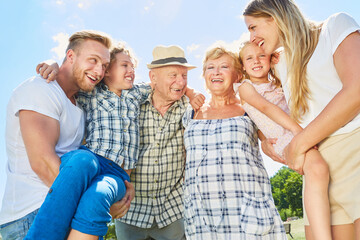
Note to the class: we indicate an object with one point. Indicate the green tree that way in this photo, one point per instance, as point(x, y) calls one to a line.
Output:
point(286, 187)
point(110, 235)
point(278, 185)
point(293, 191)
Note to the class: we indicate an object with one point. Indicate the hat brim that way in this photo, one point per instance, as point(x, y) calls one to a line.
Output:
point(152, 66)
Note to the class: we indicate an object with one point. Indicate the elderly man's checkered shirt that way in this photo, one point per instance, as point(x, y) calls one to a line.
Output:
point(158, 177)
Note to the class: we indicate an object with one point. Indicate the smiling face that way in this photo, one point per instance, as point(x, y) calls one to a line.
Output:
point(255, 62)
point(169, 82)
point(220, 74)
point(120, 74)
point(89, 64)
point(263, 32)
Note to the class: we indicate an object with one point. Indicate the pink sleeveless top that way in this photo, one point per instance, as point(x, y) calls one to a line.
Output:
point(267, 126)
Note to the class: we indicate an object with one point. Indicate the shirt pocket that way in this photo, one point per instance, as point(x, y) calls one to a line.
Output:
point(257, 215)
point(106, 103)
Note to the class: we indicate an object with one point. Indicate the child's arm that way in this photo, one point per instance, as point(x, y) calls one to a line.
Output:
point(196, 99)
point(248, 94)
point(48, 70)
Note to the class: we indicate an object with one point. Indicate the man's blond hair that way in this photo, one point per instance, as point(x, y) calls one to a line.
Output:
point(78, 38)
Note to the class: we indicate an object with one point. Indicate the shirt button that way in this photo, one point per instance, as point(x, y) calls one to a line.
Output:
point(155, 181)
point(156, 161)
point(157, 144)
point(50, 190)
point(124, 130)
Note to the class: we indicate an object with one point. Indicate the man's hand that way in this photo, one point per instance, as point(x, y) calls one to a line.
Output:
point(197, 101)
point(48, 71)
point(120, 208)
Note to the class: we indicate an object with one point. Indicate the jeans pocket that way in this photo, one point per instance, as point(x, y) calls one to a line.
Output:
point(18, 229)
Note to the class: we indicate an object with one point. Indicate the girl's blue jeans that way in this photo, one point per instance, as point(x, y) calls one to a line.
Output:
point(80, 197)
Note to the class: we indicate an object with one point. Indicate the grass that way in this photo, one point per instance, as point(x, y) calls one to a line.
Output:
point(297, 230)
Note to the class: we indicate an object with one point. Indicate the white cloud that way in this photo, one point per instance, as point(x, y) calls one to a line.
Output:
point(149, 6)
point(59, 2)
point(234, 45)
point(62, 40)
point(192, 47)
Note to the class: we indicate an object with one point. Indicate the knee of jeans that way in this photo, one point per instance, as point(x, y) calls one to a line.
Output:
point(111, 188)
point(83, 161)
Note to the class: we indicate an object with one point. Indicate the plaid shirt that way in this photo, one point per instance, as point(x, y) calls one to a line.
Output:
point(158, 177)
point(112, 125)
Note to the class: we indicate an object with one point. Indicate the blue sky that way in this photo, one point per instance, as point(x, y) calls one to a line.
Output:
point(34, 30)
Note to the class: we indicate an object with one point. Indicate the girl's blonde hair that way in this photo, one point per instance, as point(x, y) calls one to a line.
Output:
point(299, 37)
point(275, 80)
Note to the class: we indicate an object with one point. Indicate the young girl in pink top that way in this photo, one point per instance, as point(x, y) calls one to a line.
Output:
point(264, 101)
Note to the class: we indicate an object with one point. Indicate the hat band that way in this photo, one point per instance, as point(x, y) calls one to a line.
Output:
point(170, 59)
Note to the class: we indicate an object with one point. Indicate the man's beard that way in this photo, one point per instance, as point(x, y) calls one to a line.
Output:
point(80, 79)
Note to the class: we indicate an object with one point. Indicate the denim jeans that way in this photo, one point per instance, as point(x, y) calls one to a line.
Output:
point(17, 230)
point(80, 197)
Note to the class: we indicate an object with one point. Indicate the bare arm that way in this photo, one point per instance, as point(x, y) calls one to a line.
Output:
point(40, 134)
point(342, 108)
point(196, 99)
point(268, 148)
point(249, 94)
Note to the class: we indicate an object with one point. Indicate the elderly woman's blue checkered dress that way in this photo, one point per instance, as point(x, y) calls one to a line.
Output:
point(227, 192)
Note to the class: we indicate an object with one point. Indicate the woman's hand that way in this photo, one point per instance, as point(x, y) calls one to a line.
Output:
point(268, 148)
point(120, 208)
point(48, 71)
point(294, 157)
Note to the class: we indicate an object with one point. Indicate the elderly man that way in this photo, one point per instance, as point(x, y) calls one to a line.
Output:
point(43, 123)
point(157, 209)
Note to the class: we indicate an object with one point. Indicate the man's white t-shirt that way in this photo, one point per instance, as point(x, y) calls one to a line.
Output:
point(324, 82)
point(24, 191)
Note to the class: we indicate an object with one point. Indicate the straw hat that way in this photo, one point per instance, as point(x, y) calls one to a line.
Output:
point(167, 56)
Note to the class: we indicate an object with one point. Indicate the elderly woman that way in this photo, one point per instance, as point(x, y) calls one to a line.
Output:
point(320, 75)
point(227, 193)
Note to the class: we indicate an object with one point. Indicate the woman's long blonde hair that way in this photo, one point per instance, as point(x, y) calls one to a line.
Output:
point(299, 37)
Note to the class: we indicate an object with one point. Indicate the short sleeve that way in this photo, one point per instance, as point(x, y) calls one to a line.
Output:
point(38, 96)
point(141, 91)
point(237, 85)
point(236, 88)
point(340, 25)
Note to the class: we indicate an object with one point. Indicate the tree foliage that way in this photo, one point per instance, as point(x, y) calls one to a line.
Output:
point(110, 235)
point(286, 187)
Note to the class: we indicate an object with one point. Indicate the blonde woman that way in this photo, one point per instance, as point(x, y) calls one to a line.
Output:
point(321, 80)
